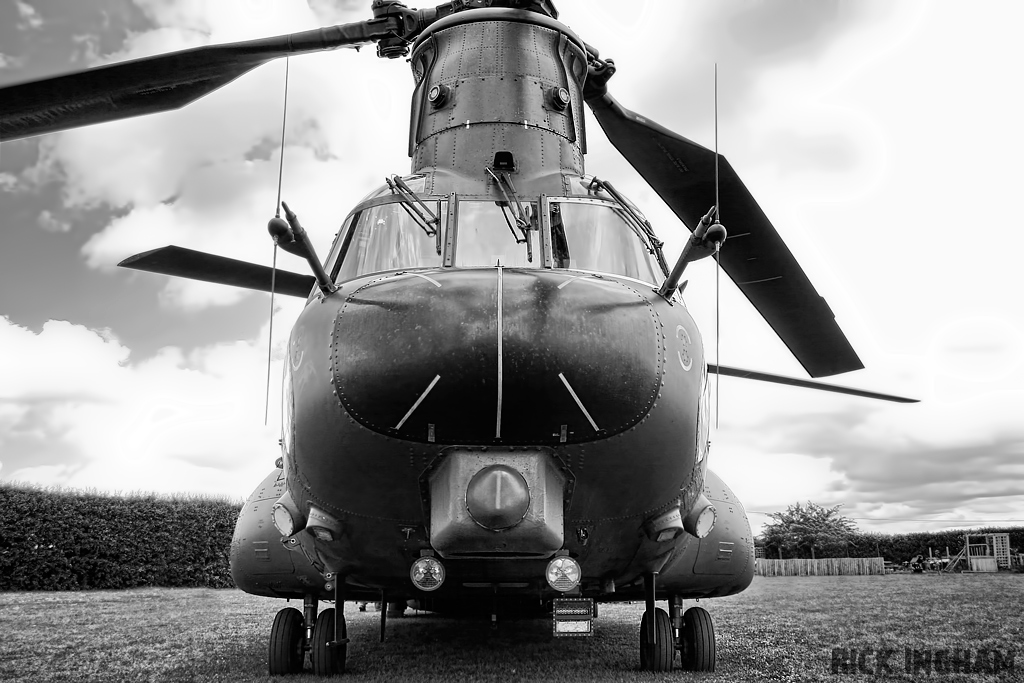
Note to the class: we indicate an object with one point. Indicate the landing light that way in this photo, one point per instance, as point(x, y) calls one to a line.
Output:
point(286, 516)
point(701, 518)
point(563, 574)
point(427, 574)
point(705, 522)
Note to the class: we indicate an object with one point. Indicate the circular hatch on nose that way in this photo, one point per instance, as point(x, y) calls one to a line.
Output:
point(497, 497)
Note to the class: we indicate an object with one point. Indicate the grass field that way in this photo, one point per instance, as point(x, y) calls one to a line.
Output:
point(780, 629)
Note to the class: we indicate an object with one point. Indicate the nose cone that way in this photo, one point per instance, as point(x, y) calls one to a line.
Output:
point(497, 356)
point(497, 497)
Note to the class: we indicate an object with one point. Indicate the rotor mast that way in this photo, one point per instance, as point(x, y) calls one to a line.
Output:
point(498, 89)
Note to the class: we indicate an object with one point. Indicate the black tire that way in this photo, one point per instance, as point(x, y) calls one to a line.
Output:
point(662, 655)
point(698, 640)
point(328, 660)
point(286, 647)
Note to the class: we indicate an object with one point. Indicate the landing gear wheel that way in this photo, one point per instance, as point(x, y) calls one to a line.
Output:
point(697, 640)
point(662, 654)
point(329, 659)
point(286, 643)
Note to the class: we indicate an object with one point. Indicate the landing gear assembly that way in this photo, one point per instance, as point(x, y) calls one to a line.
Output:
point(323, 636)
point(692, 633)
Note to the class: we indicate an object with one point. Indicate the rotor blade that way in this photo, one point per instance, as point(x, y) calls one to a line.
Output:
point(159, 83)
point(754, 256)
point(198, 265)
point(804, 383)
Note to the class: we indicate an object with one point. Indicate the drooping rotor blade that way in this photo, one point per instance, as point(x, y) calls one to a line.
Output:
point(198, 265)
point(159, 83)
point(805, 383)
point(754, 256)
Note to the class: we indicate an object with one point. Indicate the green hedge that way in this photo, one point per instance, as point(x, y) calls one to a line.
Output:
point(71, 540)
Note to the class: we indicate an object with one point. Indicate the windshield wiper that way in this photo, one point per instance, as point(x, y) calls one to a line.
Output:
point(514, 206)
point(640, 225)
point(417, 209)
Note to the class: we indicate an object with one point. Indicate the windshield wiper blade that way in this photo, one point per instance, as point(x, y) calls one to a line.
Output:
point(517, 210)
point(417, 209)
point(640, 225)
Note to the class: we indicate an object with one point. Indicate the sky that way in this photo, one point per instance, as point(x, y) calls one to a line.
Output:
point(881, 138)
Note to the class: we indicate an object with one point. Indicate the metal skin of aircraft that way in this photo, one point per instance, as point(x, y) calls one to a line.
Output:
point(495, 399)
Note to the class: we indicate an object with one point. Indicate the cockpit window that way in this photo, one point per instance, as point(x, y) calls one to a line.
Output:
point(595, 236)
point(385, 237)
point(485, 237)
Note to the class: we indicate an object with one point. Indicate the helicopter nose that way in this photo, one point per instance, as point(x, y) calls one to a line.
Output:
point(497, 356)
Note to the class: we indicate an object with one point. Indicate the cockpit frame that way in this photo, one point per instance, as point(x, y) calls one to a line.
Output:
point(448, 207)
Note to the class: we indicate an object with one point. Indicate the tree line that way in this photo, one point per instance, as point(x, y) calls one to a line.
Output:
point(811, 530)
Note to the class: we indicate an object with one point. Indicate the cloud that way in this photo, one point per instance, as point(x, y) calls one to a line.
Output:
point(30, 18)
point(336, 11)
point(87, 48)
point(50, 223)
point(8, 182)
point(173, 422)
point(10, 62)
point(949, 456)
point(205, 177)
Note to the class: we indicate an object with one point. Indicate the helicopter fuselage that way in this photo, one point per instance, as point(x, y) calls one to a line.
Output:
point(496, 380)
point(591, 386)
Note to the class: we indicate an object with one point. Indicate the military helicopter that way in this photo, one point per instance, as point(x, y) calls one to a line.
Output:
point(495, 400)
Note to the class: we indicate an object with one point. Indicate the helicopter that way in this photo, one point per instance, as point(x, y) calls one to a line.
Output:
point(495, 399)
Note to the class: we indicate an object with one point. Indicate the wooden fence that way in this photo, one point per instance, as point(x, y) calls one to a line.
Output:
point(825, 566)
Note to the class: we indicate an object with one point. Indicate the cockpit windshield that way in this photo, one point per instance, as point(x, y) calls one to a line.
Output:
point(592, 233)
point(596, 236)
point(487, 236)
point(386, 237)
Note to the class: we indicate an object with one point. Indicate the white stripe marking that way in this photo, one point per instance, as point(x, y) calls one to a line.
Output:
point(420, 275)
point(497, 427)
point(428, 279)
point(417, 403)
point(578, 402)
point(572, 280)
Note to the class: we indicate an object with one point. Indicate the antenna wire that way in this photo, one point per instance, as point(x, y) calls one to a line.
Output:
point(718, 272)
point(273, 268)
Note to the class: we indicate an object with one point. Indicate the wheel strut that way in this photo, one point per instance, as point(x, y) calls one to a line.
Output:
point(649, 592)
point(657, 647)
point(676, 614)
point(309, 609)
